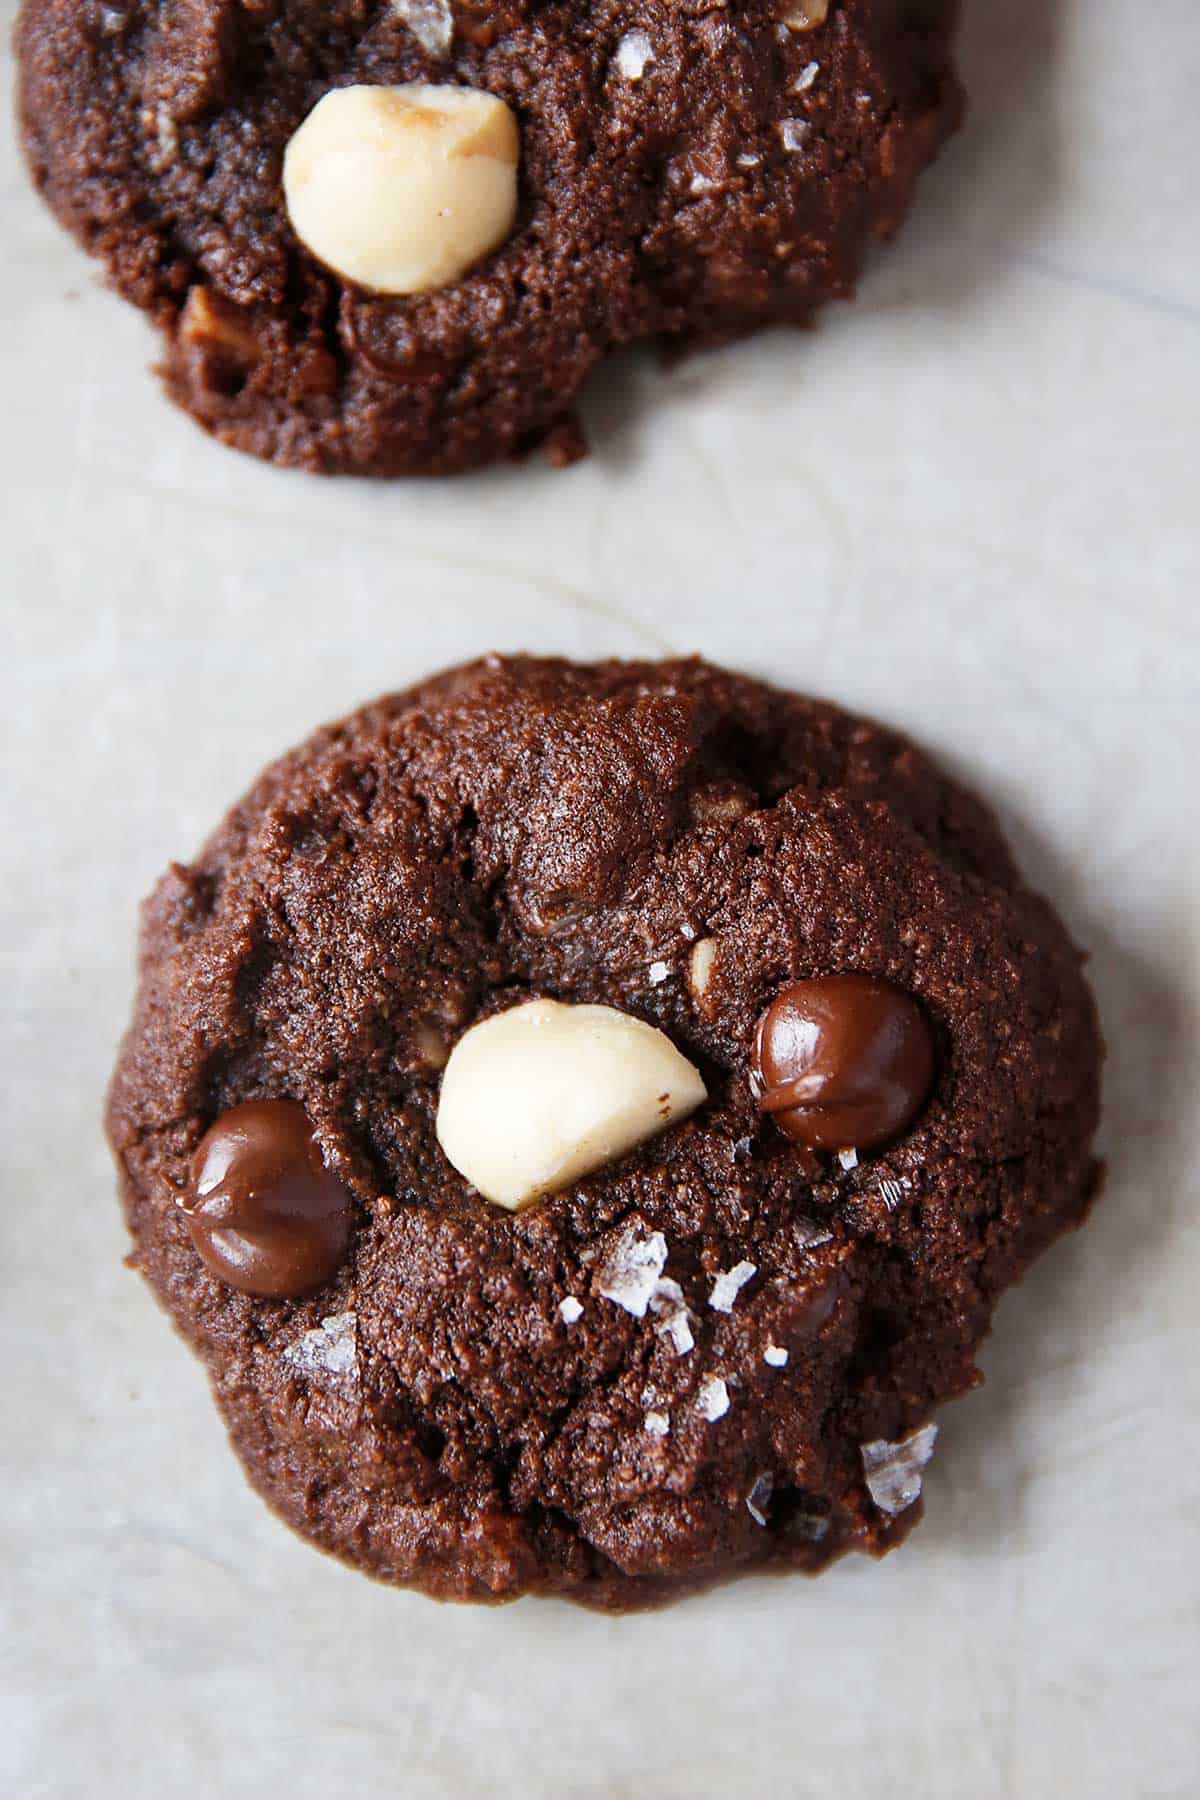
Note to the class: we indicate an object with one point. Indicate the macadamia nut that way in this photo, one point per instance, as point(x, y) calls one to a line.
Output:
point(402, 189)
point(537, 1097)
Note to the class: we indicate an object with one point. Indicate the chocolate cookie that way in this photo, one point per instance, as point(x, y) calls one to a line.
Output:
point(584, 1118)
point(394, 236)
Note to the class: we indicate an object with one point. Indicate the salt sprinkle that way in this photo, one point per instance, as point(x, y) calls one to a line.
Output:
point(633, 1277)
point(809, 1234)
point(569, 1310)
point(805, 78)
point(702, 184)
point(848, 1158)
point(893, 1192)
point(776, 1355)
point(759, 1498)
point(633, 53)
point(666, 1293)
point(794, 132)
point(748, 160)
point(430, 21)
point(729, 1284)
point(630, 1274)
point(893, 1471)
point(658, 1424)
point(668, 1304)
point(712, 1400)
point(329, 1350)
point(658, 973)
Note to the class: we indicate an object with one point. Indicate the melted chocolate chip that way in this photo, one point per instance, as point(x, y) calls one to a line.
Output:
point(843, 1062)
point(264, 1212)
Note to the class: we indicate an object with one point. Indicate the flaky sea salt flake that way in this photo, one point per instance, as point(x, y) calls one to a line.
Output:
point(430, 21)
point(712, 1398)
point(634, 53)
point(893, 1471)
point(759, 1497)
point(331, 1349)
point(658, 1424)
point(631, 1271)
point(658, 973)
point(805, 78)
point(569, 1310)
point(677, 1327)
point(848, 1158)
point(674, 1321)
point(729, 1284)
point(776, 1356)
point(794, 132)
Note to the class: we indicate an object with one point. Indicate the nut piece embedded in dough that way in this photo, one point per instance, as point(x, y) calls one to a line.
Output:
point(805, 15)
point(402, 189)
point(700, 965)
point(216, 326)
point(541, 1095)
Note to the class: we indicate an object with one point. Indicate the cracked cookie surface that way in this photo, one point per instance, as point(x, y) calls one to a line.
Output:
point(718, 1352)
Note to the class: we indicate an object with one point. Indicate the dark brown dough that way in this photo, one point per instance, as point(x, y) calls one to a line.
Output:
point(532, 828)
point(667, 208)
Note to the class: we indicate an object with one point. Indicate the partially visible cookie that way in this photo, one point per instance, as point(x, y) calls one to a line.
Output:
point(376, 284)
point(584, 1118)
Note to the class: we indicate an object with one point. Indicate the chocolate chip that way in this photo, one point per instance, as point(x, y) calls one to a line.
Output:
point(843, 1061)
point(264, 1212)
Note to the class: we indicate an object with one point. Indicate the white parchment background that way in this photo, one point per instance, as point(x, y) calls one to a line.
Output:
point(968, 505)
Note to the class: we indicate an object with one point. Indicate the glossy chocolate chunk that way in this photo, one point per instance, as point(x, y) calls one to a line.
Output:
point(264, 1212)
point(843, 1061)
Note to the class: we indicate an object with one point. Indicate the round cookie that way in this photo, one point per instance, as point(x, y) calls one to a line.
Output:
point(686, 175)
point(717, 1349)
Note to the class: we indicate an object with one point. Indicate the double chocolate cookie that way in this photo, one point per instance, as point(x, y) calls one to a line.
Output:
point(584, 1118)
point(392, 236)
